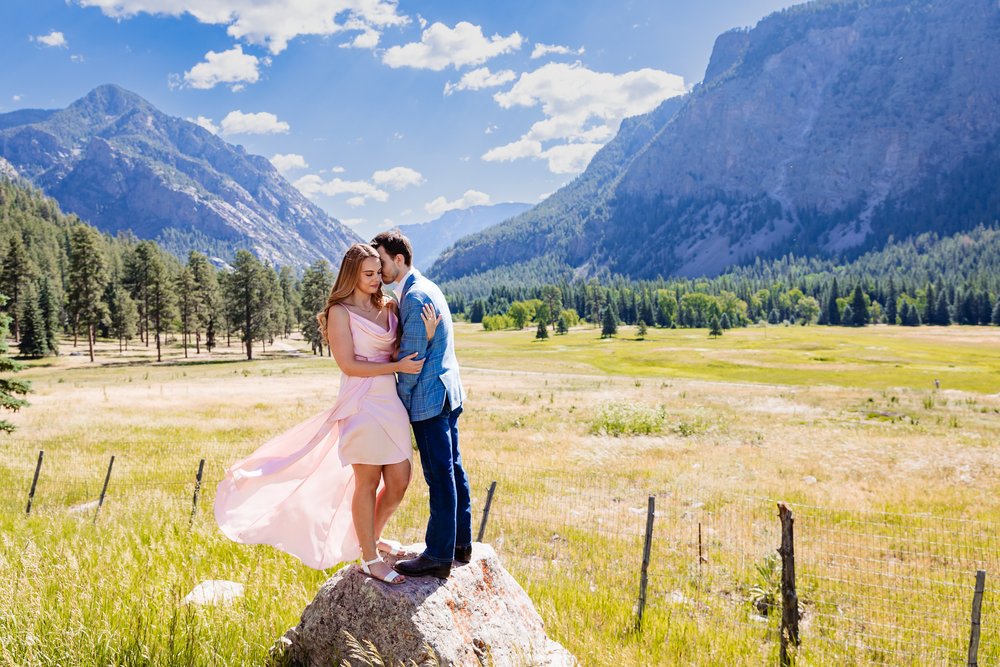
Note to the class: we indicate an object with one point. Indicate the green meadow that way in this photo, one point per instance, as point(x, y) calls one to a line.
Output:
point(894, 483)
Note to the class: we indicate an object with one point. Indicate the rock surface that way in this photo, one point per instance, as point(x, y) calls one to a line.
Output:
point(478, 616)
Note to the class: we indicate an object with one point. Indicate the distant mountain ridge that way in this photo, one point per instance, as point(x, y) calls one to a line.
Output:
point(120, 164)
point(430, 238)
point(827, 129)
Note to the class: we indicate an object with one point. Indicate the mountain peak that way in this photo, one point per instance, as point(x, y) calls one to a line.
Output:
point(112, 100)
point(119, 163)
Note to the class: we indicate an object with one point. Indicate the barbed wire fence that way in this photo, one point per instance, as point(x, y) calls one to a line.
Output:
point(673, 560)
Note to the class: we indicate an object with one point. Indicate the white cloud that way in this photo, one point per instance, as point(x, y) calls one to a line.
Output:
point(398, 178)
point(368, 39)
point(312, 185)
point(270, 24)
point(205, 123)
point(231, 67)
point(478, 79)
point(541, 50)
point(570, 158)
point(583, 110)
point(76, 57)
point(55, 39)
point(353, 222)
point(441, 46)
point(491, 128)
point(285, 162)
point(237, 122)
point(17, 98)
point(337, 170)
point(515, 150)
point(470, 198)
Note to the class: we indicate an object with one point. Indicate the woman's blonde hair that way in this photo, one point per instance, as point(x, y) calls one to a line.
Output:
point(347, 280)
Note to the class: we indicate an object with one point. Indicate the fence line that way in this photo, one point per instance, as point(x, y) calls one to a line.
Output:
point(871, 586)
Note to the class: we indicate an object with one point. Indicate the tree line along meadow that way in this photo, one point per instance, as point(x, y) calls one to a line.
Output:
point(925, 280)
point(63, 277)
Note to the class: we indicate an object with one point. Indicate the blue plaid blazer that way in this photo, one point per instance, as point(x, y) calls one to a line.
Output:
point(423, 395)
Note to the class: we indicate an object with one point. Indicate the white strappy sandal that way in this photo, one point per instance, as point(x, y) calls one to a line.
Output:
point(392, 578)
point(390, 547)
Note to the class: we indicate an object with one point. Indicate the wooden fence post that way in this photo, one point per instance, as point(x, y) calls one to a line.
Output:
point(197, 489)
point(486, 511)
point(647, 547)
point(34, 481)
point(977, 608)
point(789, 598)
point(104, 489)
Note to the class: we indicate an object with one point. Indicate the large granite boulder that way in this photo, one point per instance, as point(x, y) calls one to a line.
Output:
point(478, 616)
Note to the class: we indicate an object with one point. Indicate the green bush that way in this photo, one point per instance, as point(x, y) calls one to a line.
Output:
point(626, 418)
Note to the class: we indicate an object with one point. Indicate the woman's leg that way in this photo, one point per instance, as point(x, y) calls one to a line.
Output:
point(396, 477)
point(366, 478)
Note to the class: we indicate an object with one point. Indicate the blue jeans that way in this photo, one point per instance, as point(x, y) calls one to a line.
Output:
point(450, 522)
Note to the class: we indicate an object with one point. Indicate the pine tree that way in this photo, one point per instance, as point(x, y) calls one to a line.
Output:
point(273, 304)
point(996, 314)
point(137, 280)
point(291, 299)
point(316, 284)
point(48, 302)
point(247, 298)
point(16, 274)
point(859, 309)
point(927, 317)
point(641, 329)
point(848, 315)
point(477, 311)
point(10, 388)
point(87, 277)
point(832, 308)
point(187, 299)
point(609, 323)
point(33, 341)
point(206, 303)
point(715, 327)
point(724, 321)
point(160, 298)
point(942, 316)
point(562, 324)
point(123, 315)
point(891, 312)
point(542, 331)
point(552, 298)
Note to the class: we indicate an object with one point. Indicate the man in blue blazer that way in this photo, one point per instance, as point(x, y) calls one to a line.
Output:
point(433, 398)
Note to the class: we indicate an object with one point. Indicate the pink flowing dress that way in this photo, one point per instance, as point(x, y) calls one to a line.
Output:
point(295, 491)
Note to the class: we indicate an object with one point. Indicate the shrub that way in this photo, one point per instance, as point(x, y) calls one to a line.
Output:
point(497, 322)
point(626, 418)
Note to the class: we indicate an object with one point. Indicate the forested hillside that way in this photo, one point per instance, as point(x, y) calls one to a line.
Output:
point(922, 280)
point(62, 276)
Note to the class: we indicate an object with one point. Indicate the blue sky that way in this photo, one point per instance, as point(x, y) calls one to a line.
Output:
point(383, 113)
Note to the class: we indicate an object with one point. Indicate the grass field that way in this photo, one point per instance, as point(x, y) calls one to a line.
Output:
point(845, 423)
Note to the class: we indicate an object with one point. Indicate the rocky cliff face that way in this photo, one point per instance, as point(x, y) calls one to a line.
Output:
point(120, 164)
point(821, 131)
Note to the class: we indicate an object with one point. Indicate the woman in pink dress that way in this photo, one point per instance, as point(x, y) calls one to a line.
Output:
point(324, 490)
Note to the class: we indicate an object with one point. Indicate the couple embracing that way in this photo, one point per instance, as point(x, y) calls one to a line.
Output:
point(324, 490)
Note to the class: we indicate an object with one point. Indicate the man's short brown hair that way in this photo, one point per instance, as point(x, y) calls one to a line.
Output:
point(395, 244)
